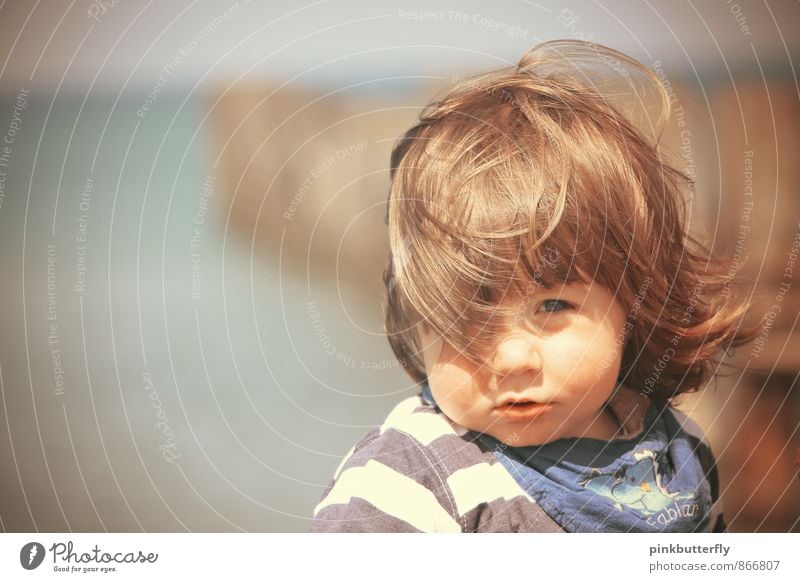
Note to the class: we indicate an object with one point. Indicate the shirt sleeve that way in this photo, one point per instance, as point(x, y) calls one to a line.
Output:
point(387, 484)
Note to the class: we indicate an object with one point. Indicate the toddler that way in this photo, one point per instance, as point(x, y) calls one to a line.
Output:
point(544, 294)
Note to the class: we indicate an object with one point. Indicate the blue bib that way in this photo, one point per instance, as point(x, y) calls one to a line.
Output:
point(653, 482)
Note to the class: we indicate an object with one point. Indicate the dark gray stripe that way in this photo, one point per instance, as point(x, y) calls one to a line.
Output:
point(407, 456)
point(358, 516)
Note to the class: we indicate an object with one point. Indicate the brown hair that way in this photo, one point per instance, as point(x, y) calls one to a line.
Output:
point(529, 176)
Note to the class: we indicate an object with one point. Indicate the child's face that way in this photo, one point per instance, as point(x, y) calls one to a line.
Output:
point(561, 357)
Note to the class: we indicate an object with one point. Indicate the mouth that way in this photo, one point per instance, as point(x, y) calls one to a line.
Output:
point(523, 409)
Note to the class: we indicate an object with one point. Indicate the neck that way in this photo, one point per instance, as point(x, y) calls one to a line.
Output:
point(604, 426)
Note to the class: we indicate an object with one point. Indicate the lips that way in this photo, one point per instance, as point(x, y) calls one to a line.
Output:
point(522, 409)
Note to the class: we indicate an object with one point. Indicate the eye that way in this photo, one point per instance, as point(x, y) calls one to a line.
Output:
point(554, 305)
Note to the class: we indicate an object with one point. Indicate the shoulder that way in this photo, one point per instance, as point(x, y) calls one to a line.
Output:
point(416, 472)
point(694, 435)
point(391, 479)
point(701, 449)
point(688, 424)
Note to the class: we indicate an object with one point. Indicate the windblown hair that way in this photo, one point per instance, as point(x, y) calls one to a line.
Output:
point(529, 178)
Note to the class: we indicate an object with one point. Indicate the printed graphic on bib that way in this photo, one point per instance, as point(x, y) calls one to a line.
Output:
point(638, 486)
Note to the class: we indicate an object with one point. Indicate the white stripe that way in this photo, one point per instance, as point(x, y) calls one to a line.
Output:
point(346, 458)
point(471, 485)
point(392, 493)
point(422, 426)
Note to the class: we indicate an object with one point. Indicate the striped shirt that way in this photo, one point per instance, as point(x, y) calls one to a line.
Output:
point(421, 472)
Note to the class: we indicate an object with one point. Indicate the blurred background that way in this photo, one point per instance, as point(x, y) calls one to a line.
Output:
point(192, 200)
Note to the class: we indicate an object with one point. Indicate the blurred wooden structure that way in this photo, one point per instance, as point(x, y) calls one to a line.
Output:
point(759, 134)
point(307, 178)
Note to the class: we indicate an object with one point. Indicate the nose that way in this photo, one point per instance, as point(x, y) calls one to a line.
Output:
point(517, 353)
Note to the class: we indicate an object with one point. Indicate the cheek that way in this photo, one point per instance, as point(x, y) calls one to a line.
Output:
point(453, 384)
point(584, 355)
point(450, 378)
